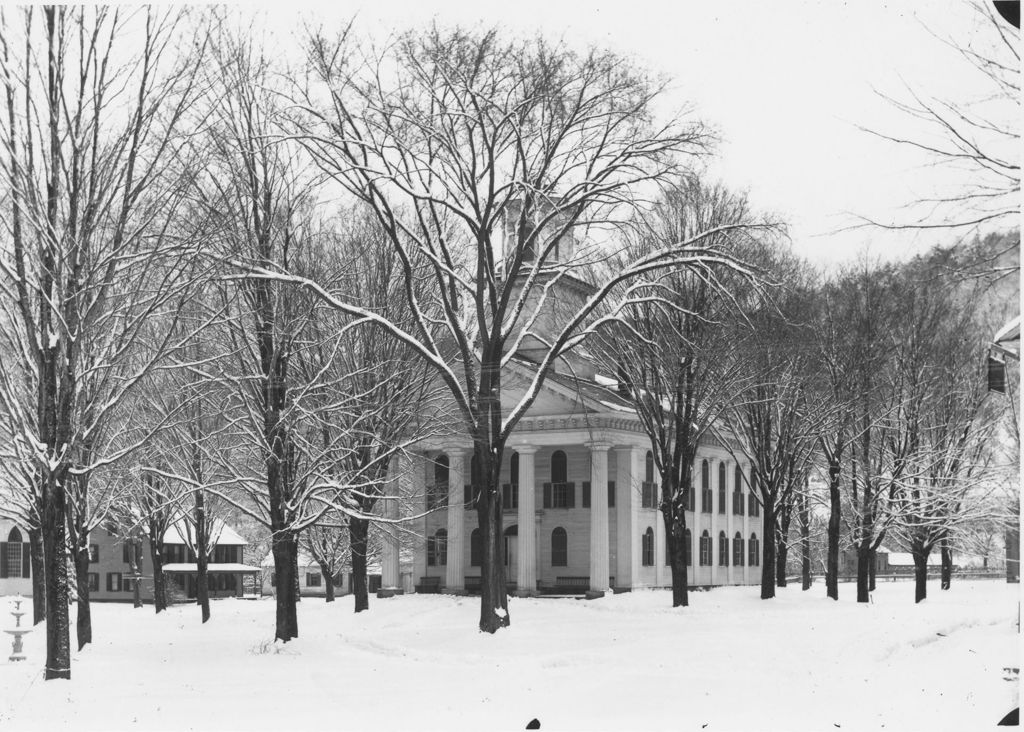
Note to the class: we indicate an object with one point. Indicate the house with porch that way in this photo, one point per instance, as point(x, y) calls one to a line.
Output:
point(579, 490)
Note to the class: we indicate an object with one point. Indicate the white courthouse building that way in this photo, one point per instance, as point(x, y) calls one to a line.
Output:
point(580, 492)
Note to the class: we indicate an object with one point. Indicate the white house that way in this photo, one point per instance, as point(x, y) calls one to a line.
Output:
point(579, 490)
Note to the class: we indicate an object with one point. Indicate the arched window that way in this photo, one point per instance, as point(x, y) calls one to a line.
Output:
point(737, 492)
point(705, 487)
point(754, 551)
point(689, 548)
point(647, 547)
point(721, 487)
point(723, 549)
point(705, 549)
point(737, 550)
point(559, 468)
point(559, 548)
point(476, 548)
point(14, 559)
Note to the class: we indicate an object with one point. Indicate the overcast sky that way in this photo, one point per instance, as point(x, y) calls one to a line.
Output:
point(785, 84)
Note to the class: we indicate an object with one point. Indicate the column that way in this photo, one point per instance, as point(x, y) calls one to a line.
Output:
point(713, 530)
point(598, 520)
point(389, 562)
point(629, 472)
point(526, 561)
point(415, 468)
point(746, 529)
point(730, 530)
point(455, 579)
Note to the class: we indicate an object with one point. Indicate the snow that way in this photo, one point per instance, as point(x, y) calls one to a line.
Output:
point(730, 661)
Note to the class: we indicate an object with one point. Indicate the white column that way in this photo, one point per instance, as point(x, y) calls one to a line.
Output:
point(713, 531)
point(455, 581)
point(389, 566)
point(598, 520)
point(628, 474)
point(526, 560)
point(729, 521)
point(746, 528)
point(414, 467)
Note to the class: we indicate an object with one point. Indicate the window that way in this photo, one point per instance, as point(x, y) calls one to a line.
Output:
point(649, 489)
point(585, 494)
point(437, 549)
point(737, 550)
point(559, 467)
point(723, 549)
point(113, 581)
point(94, 581)
point(437, 492)
point(647, 543)
point(611, 494)
point(754, 551)
point(705, 487)
point(559, 548)
point(313, 579)
point(691, 494)
point(510, 531)
point(127, 584)
point(689, 548)
point(721, 487)
point(559, 493)
point(94, 553)
point(705, 549)
point(14, 556)
point(737, 492)
point(476, 548)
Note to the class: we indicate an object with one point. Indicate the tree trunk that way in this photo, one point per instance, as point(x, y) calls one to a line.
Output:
point(673, 514)
point(805, 543)
point(296, 586)
point(834, 525)
point(58, 641)
point(785, 512)
point(358, 532)
point(156, 550)
point(947, 565)
point(286, 621)
point(35, 542)
point(325, 572)
point(920, 571)
point(872, 567)
point(493, 592)
point(83, 625)
point(202, 583)
point(136, 549)
point(863, 563)
point(768, 548)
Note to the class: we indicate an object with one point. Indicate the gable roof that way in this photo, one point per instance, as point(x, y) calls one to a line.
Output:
point(220, 533)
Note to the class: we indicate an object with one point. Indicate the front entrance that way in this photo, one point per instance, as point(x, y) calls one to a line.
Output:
point(511, 557)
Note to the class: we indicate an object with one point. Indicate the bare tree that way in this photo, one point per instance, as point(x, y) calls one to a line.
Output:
point(455, 138)
point(90, 152)
point(673, 350)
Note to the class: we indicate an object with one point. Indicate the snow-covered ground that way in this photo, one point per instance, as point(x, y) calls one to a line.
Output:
point(730, 661)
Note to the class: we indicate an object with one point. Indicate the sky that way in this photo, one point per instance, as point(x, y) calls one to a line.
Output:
point(787, 86)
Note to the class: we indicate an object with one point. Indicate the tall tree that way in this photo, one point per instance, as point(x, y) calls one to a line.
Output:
point(487, 158)
point(90, 159)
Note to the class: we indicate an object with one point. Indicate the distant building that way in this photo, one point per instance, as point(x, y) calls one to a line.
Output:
point(15, 564)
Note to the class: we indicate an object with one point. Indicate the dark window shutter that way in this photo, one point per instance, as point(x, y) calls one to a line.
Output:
point(585, 502)
point(515, 495)
point(3, 560)
point(611, 494)
point(467, 494)
point(570, 495)
point(26, 560)
point(547, 495)
point(110, 581)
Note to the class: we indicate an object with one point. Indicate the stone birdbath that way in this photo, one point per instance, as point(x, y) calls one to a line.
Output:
point(17, 652)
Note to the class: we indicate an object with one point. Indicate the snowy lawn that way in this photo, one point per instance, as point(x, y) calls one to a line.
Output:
point(624, 662)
